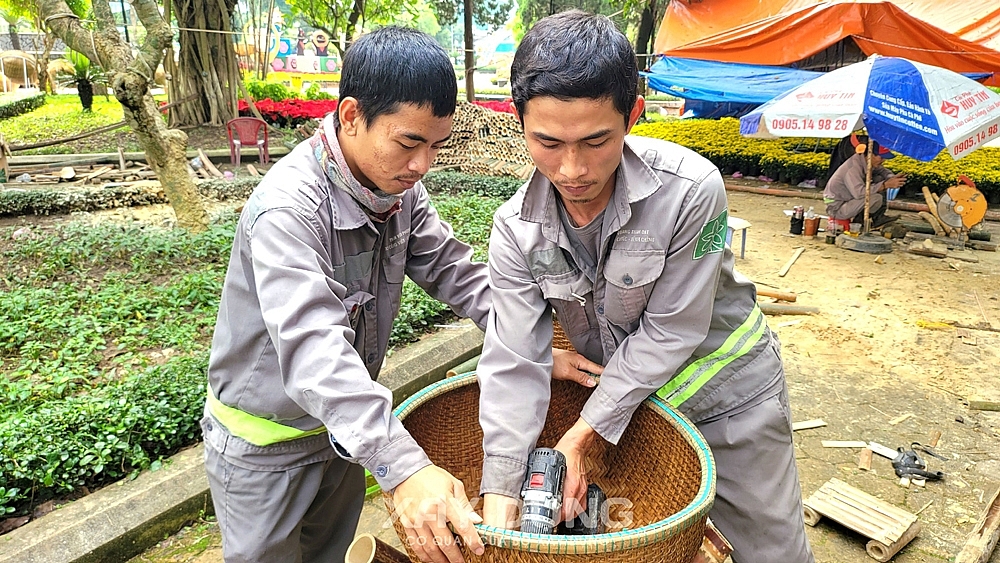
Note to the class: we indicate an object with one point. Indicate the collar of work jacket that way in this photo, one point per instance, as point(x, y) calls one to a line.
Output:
point(634, 181)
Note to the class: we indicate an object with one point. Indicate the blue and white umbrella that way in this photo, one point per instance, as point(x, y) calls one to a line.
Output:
point(911, 108)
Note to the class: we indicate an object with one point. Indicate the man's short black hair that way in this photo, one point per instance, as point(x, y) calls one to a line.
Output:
point(395, 65)
point(573, 55)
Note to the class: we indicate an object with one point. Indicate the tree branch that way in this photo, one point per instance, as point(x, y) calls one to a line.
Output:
point(158, 37)
point(105, 18)
point(66, 25)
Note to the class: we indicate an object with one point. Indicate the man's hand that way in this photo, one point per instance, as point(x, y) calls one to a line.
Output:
point(570, 366)
point(574, 445)
point(895, 181)
point(500, 511)
point(425, 503)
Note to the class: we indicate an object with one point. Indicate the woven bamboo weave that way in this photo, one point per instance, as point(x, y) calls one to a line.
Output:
point(559, 338)
point(662, 466)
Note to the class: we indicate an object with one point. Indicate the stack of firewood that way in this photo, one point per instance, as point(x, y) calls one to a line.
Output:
point(81, 175)
point(486, 142)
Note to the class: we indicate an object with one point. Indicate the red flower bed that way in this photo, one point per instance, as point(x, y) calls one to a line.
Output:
point(503, 107)
point(291, 112)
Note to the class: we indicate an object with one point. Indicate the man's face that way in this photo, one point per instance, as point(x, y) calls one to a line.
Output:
point(393, 152)
point(577, 145)
point(876, 161)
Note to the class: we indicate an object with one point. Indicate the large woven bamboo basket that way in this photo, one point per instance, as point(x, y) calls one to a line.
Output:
point(662, 466)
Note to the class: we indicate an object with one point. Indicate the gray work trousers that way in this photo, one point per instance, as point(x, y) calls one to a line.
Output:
point(850, 209)
point(300, 515)
point(758, 503)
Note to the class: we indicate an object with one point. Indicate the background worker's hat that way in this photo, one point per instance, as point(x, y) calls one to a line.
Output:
point(860, 147)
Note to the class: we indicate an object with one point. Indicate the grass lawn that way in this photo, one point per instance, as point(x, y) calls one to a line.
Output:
point(63, 116)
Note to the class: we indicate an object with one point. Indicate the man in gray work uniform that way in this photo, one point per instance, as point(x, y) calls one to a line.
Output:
point(293, 416)
point(623, 238)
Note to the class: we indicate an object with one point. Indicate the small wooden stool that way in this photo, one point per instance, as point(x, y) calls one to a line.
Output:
point(737, 224)
point(889, 527)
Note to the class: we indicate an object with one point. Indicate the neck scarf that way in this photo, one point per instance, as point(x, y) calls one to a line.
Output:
point(326, 148)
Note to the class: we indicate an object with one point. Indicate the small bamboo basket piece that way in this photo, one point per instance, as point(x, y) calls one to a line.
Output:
point(661, 477)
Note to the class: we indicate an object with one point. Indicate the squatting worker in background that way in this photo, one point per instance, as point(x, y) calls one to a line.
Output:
point(844, 194)
point(293, 415)
point(624, 239)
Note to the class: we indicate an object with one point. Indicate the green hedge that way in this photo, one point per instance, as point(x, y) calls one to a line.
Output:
point(18, 105)
point(86, 396)
point(93, 439)
point(793, 160)
point(68, 199)
point(458, 183)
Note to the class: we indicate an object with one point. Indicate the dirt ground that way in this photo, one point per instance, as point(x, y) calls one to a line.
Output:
point(868, 359)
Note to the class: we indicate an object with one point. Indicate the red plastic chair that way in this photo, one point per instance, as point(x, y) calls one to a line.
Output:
point(246, 131)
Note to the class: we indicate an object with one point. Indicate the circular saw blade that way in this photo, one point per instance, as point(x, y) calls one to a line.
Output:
point(962, 206)
point(946, 211)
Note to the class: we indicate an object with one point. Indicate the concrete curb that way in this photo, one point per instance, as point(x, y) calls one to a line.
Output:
point(122, 520)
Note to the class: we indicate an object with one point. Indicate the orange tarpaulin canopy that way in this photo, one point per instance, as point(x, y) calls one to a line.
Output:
point(965, 37)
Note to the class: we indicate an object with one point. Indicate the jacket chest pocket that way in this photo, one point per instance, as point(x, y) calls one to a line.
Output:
point(394, 266)
point(569, 295)
point(630, 275)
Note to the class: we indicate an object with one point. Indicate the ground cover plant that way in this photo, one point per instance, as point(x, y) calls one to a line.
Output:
point(104, 339)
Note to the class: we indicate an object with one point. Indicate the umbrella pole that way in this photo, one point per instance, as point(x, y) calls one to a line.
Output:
point(868, 188)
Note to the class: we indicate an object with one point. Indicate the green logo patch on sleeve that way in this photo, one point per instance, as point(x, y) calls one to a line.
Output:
point(713, 236)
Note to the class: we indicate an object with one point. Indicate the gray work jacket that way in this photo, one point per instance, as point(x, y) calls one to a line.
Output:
point(665, 311)
point(309, 299)
point(848, 182)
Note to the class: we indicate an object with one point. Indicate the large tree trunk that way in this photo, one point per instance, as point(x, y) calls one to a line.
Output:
point(470, 54)
point(85, 90)
point(207, 67)
point(130, 77)
point(644, 40)
point(15, 39)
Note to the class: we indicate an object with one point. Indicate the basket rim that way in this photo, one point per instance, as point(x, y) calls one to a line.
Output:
point(646, 535)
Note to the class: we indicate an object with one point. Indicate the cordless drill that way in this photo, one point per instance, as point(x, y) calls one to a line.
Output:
point(542, 493)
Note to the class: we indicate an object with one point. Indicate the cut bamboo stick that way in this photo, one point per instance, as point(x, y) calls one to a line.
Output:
point(788, 265)
point(932, 204)
point(207, 163)
point(781, 295)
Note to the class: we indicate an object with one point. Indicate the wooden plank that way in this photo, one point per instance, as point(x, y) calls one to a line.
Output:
point(788, 265)
point(844, 444)
point(983, 539)
point(848, 518)
point(807, 424)
point(864, 521)
point(780, 295)
point(207, 163)
point(983, 404)
point(865, 459)
point(876, 511)
point(252, 170)
point(935, 437)
point(882, 450)
point(901, 418)
point(782, 309)
point(980, 245)
point(99, 172)
point(873, 501)
point(964, 256)
point(921, 250)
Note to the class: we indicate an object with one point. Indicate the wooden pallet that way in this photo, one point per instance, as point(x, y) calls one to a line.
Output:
point(889, 527)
